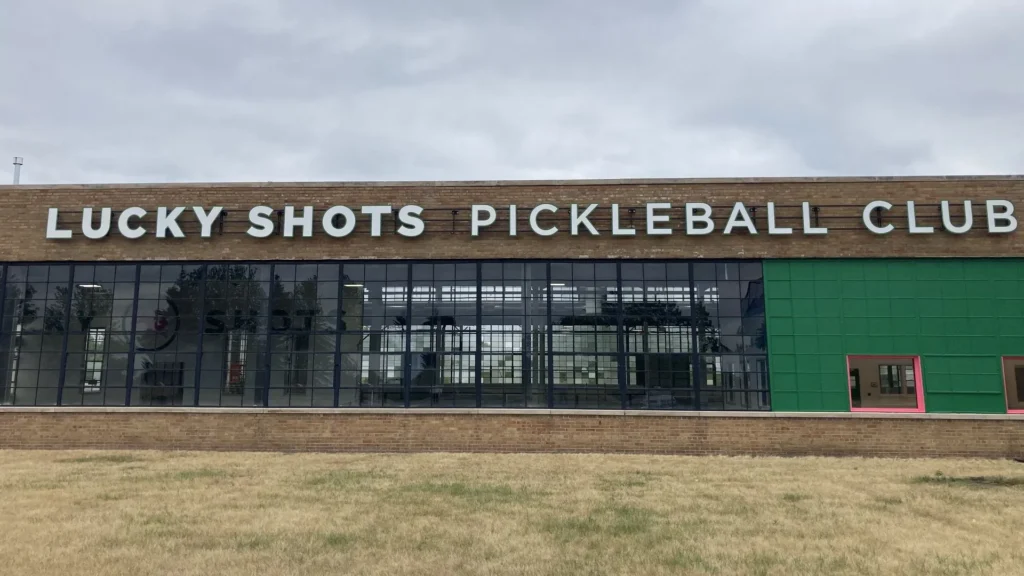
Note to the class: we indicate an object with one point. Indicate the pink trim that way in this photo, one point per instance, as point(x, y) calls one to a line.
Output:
point(918, 384)
point(1002, 367)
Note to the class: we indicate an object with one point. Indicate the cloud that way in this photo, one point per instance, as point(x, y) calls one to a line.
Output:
point(258, 90)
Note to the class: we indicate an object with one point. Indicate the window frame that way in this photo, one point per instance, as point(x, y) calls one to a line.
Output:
point(144, 284)
point(918, 382)
point(1006, 395)
point(93, 360)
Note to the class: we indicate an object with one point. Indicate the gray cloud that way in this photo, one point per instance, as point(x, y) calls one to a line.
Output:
point(257, 90)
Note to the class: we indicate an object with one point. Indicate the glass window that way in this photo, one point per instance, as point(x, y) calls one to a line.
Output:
point(303, 309)
point(885, 383)
point(235, 321)
point(659, 337)
point(515, 333)
point(444, 335)
point(167, 335)
point(573, 334)
point(372, 333)
point(36, 300)
point(585, 335)
point(99, 338)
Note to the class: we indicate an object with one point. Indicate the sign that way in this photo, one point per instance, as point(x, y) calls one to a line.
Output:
point(700, 219)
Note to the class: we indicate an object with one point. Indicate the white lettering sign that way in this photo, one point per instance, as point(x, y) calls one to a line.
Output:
point(660, 219)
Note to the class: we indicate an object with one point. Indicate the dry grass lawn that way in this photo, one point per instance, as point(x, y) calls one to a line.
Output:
point(70, 513)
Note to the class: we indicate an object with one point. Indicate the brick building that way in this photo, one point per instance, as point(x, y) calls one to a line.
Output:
point(796, 316)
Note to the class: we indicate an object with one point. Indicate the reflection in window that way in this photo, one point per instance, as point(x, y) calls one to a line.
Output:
point(896, 379)
point(573, 334)
point(303, 310)
point(514, 362)
point(585, 335)
point(167, 335)
point(234, 334)
point(102, 300)
point(32, 333)
point(372, 334)
point(95, 343)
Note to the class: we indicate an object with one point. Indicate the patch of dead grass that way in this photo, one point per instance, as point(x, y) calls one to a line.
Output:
point(239, 514)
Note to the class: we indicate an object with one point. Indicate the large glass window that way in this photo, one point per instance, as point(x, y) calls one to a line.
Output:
point(560, 334)
point(303, 314)
point(99, 336)
point(167, 335)
point(515, 330)
point(585, 335)
point(374, 312)
point(731, 338)
point(33, 332)
point(235, 322)
point(444, 335)
point(658, 319)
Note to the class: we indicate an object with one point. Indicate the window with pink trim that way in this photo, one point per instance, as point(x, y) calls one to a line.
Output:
point(1013, 379)
point(885, 383)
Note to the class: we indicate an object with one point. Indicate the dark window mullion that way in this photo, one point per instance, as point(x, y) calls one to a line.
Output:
point(551, 338)
point(337, 335)
point(696, 359)
point(525, 334)
point(407, 356)
point(478, 371)
point(268, 346)
point(130, 376)
point(198, 374)
point(620, 337)
point(67, 333)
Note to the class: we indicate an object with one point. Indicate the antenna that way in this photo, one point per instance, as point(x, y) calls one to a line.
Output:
point(17, 169)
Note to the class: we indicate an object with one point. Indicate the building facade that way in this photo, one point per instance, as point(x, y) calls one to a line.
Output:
point(704, 303)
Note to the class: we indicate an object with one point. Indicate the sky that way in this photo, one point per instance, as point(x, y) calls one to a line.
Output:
point(99, 91)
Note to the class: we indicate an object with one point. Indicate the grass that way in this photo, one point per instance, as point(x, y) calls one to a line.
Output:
point(113, 458)
point(975, 481)
point(77, 513)
point(199, 473)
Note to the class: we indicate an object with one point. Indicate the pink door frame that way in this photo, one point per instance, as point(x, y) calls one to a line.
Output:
point(918, 384)
point(1006, 396)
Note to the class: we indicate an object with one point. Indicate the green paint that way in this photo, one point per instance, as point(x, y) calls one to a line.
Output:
point(959, 316)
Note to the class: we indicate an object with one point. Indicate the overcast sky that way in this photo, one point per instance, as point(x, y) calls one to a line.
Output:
point(258, 90)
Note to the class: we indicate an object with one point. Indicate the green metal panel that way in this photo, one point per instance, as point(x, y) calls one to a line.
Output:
point(959, 315)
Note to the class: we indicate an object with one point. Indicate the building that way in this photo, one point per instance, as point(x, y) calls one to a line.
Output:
point(839, 316)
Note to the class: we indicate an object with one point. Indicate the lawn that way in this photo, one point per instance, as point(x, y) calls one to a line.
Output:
point(132, 513)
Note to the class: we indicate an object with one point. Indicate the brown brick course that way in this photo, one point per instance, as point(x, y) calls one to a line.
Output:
point(505, 431)
point(22, 237)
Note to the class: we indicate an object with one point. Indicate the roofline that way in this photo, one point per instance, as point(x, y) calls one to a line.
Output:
point(498, 183)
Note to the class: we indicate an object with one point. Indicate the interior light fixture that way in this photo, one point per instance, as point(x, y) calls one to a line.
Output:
point(90, 286)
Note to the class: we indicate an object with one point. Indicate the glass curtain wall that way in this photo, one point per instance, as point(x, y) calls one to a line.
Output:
point(515, 330)
point(32, 333)
point(560, 334)
point(585, 335)
point(658, 320)
point(235, 325)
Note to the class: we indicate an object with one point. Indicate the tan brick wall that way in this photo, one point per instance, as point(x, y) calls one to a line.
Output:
point(24, 208)
point(483, 431)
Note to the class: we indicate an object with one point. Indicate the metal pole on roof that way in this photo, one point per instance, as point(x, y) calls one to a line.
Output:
point(17, 169)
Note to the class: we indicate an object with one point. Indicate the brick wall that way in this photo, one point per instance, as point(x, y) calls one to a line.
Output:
point(503, 431)
point(22, 237)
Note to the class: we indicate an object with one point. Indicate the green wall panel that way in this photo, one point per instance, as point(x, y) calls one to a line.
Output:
point(959, 316)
